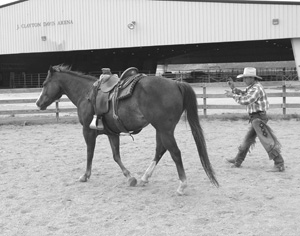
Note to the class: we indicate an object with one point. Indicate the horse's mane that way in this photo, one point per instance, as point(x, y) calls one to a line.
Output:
point(67, 69)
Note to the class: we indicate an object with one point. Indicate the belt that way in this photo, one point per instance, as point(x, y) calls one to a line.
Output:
point(257, 113)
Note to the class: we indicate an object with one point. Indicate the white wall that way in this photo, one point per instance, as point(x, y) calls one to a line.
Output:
point(100, 24)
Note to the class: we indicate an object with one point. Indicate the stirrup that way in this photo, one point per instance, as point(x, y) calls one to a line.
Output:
point(93, 124)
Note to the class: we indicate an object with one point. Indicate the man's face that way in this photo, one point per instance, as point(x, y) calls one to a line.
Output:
point(248, 80)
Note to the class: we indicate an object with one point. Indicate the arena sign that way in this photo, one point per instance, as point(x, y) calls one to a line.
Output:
point(44, 24)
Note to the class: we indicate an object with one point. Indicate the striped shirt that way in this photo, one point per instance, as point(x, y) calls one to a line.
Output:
point(254, 98)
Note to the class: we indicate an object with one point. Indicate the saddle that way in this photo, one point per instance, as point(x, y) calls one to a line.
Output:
point(109, 83)
point(114, 89)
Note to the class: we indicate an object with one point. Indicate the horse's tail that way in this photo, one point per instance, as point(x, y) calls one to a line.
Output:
point(191, 109)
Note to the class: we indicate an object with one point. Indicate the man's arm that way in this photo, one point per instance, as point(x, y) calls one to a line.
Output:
point(233, 88)
point(247, 98)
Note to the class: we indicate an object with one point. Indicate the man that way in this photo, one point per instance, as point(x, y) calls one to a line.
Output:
point(97, 120)
point(256, 102)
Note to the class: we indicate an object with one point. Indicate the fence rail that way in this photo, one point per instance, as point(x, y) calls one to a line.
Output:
point(57, 110)
point(284, 105)
point(204, 96)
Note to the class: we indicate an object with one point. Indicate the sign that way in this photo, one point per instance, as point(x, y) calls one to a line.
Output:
point(44, 24)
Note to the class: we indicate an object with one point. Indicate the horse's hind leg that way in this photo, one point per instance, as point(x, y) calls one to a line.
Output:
point(115, 146)
point(168, 140)
point(160, 150)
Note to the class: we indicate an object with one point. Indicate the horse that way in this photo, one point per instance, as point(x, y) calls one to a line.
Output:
point(155, 100)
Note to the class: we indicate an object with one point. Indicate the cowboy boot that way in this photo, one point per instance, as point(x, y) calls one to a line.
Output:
point(240, 157)
point(277, 168)
point(278, 161)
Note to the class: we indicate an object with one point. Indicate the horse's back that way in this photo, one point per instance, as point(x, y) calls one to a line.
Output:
point(159, 98)
point(160, 86)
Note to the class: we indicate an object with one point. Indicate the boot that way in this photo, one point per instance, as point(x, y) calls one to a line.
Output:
point(240, 157)
point(277, 168)
point(234, 162)
point(278, 164)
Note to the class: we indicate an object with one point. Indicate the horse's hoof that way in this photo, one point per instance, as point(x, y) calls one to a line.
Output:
point(181, 188)
point(180, 192)
point(83, 178)
point(143, 183)
point(132, 181)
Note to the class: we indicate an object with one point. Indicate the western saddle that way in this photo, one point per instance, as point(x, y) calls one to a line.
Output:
point(113, 89)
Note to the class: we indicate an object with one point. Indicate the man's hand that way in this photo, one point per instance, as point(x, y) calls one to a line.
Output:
point(230, 83)
point(228, 94)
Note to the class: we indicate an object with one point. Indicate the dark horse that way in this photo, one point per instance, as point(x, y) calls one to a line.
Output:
point(155, 100)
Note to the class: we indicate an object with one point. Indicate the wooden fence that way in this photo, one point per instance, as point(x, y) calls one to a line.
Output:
point(57, 110)
point(283, 94)
point(204, 96)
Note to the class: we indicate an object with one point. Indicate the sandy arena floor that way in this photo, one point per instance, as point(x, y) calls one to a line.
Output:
point(41, 195)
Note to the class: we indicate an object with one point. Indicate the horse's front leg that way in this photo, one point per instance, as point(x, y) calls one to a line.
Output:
point(90, 140)
point(115, 147)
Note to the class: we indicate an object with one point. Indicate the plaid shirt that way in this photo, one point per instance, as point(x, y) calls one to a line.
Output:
point(254, 97)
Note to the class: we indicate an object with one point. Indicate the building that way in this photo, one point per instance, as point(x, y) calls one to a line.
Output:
point(148, 34)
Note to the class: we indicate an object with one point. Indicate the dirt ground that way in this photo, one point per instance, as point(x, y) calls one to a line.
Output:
point(41, 195)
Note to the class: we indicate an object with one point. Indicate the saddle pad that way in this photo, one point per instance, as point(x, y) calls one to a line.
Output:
point(127, 86)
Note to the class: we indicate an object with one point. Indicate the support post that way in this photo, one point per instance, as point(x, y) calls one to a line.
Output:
point(296, 48)
point(39, 81)
point(204, 101)
point(284, 99)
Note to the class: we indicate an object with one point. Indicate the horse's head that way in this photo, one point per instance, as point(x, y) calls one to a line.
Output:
point(51, 89)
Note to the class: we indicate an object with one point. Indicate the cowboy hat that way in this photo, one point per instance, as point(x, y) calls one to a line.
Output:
point(249, 72)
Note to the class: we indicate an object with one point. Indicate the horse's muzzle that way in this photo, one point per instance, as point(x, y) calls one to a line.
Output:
point(37, 103)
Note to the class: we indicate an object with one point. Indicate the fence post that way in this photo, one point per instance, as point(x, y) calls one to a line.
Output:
point(204, 100)
point(284, 99)
point(57, 110)
point(39, 81)
point(24, 79)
